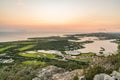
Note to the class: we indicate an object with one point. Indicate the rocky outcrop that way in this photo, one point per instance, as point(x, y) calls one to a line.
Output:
point(55, 73)
point(47, 72)
point(67, 75)
point(114, 76)
point(102, 76)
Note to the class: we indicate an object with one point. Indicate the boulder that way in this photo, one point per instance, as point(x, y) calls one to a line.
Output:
point(103, 76)
point(116, 75)
point(69, 75)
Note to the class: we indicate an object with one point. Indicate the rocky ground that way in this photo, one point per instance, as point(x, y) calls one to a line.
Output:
point(115, 75)
point(55, 73)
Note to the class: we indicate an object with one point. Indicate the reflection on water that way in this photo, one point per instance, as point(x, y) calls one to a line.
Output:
point(97, 44)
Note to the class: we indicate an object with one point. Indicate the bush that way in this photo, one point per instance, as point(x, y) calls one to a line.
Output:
point(17, 72)
point(92, 71)
point(76, 78)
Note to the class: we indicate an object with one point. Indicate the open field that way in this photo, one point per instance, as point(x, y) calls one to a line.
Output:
point(38, 55)
point(26, 47)
point(7, 47)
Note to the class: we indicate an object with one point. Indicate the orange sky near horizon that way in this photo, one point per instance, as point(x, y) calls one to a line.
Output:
point(62, 15)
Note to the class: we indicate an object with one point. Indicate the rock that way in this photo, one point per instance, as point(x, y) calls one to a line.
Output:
point(116, 75)
point(103, 76)
point(67, 75)
point(55, 73)
point(36, 78)
point(47, 72)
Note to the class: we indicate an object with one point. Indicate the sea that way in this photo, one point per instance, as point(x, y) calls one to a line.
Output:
point(16, 36)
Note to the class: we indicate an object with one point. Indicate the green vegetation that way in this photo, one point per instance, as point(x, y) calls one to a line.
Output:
point(90, 54)
point(60, 45)
point(85, 57)
point(29, 55)
point(26, 42)
point(92, 71)
point(33, 63)
point(17, 72)
point(118, 41)
point(54, 38)
point(87, 60)
point(38, 55)
point(101, 35)
point(63, 52)
point(68, 65)
point(26, 47)
point(76, 78)
point(7, 47)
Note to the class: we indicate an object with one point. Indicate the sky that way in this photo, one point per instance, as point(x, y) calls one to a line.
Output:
point(60, 15)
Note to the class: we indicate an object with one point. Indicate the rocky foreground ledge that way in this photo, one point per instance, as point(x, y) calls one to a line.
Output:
point(55, 73)
point(113, 76)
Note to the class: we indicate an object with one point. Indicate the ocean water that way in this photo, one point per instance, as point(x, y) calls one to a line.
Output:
point(15, 36)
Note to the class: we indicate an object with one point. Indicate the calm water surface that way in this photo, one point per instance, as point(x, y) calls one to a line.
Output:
point(15, 36)
point(95, 47)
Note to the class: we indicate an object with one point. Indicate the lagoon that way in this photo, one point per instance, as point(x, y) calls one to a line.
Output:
point(95, 47)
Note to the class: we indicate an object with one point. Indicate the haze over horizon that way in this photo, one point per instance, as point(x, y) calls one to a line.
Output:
point(60, 15)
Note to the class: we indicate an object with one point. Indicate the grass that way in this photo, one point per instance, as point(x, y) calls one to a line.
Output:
point(84, 60)
point(85, 57)
point(7, 47)
point(37, 55)
point(90, 54)
point(33, 63)
point(52, 56)
point(29, 55)
point(25, 42)
point(26, 47)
